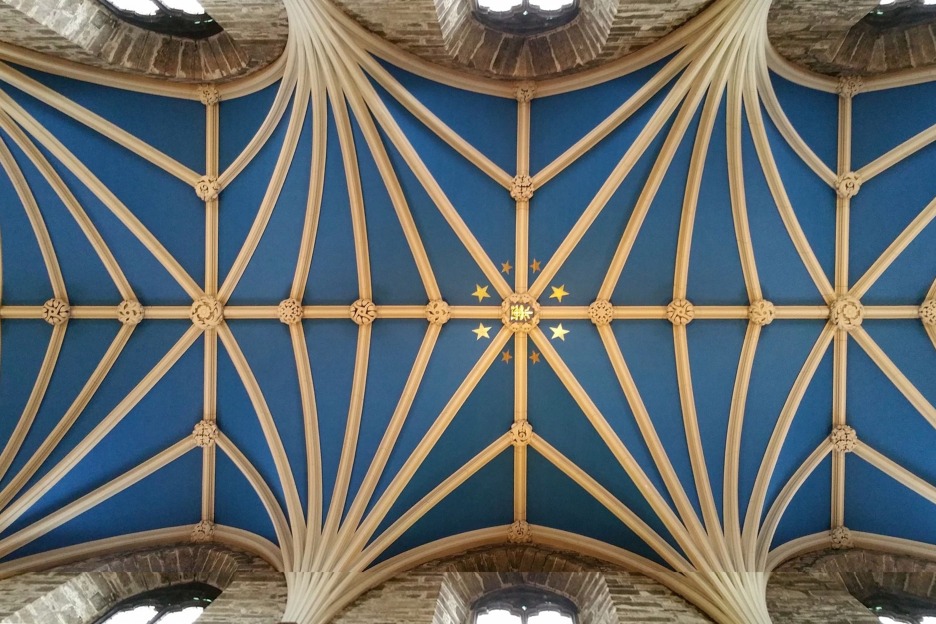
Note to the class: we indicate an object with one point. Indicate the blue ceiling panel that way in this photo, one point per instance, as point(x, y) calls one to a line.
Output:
point(23, 346)
point(237, 503)
point(809, 509)
point(879, 127)
point(169, 497)
point(172, 125)
point(813, 114)
point(241, 118)
point(495, 138)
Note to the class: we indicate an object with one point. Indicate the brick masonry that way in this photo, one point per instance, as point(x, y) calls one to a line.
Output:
point(252, 591)
point(85, 32)
point(828, 36)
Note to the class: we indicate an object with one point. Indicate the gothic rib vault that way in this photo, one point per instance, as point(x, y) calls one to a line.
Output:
point(357, 312)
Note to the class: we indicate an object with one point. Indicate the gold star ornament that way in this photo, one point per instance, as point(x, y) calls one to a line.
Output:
point(535, 357)
point(559, 332)
point(536, 265)
point(480, 292)
point(558, 293)
point(482, 331)
point(506, 267)
point(506, 357)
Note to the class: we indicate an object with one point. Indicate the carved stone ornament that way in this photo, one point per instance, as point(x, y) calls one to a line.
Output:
point(207, 188)
point(519, 533)
point(130, 312)
point(205, 433)
point(289, 311)
point(841, 538)
point(437, 312)
point(844, 439)
point(762, 312)
point(601, 312)
point(680, 312)
point(363, 311)
point(848, 185)
point(207, 312)
point(55, 311)
point(522, 188)
point(521, 432)
point(928, 312)
point(525, 92)
point(850, 86)
point(203, 531)
point(846, 313)
point(209, 94)
point(520, 313)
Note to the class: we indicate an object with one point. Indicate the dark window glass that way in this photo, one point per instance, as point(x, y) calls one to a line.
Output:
point(179, 18)
point(525, 16)
point(177, 604)
point(521, 605)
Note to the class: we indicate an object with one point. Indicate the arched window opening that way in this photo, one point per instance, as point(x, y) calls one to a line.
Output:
point(895, 608)
point(901, 13)
point(176, 604)
point(178, 18)
point(523, 605)
point(525, 17)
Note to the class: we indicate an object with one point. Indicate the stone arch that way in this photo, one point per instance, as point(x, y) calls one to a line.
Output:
point(79, 593)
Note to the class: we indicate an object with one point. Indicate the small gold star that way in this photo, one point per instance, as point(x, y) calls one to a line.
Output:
point(558, 293)
point(506, 357)
point(534, 357)
point(480, 292)
point(482, 331)
point(506, 267)
point(536, 265)
point(559, 332)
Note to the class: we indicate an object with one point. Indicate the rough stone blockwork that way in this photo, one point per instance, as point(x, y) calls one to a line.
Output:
point(442, 592)
point(252, 591)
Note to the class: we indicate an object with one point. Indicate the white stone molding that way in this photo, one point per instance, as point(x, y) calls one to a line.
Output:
point(850, 86)
point(207, 188)
point(209, 94)
point(844, 439)
point(521, 432)
point(437, 312)
point(762, 312)
point(525, 92)
point(840, 537)
point(520, 313)
point(207, 312)
point(55, 311)
point(203, 531)
point(205, 433)
point(847, 185)
point(520, 533)
point(363, 311)
point(289, 311)
point(130, 312)
point(680, 312)
point(601, 312)
point(522, 188)
point(928, 312)
point(846, 313)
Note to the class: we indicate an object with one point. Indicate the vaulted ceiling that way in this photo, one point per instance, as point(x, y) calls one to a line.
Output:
point(357, 311)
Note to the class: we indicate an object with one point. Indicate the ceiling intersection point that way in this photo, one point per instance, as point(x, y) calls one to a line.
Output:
point(525, 92)
point(522, 188)
point(207, 312)
point(841, 538)
point(363, 311)
point(130, 312)
point(521, 432)
point(844, 439)
point(520, 313)
point(601, 312)
point(847, 185)
point(208, 94)
point(203, 531)
point(520, 533)
point(289, 311)
point(846, 313)
point(850, 86)
point(928, 312)
point(437, 312)
point(762, 312)
point(680, 312)
point(55, 311)
point(207, 188)
point(205, 433)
